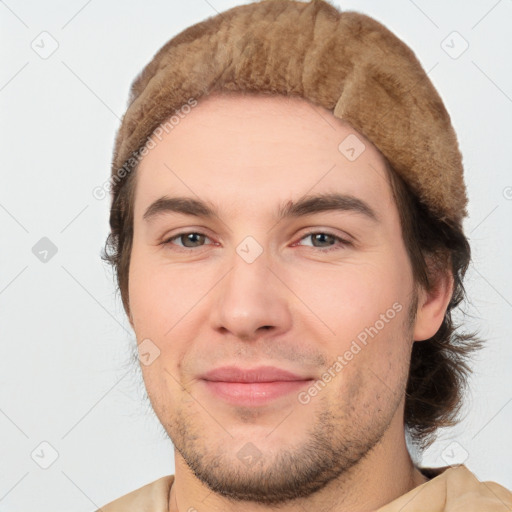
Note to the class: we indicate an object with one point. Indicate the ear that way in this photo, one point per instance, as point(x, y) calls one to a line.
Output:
point(432, 306)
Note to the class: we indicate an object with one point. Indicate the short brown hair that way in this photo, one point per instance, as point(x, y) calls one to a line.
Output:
point(439, 367)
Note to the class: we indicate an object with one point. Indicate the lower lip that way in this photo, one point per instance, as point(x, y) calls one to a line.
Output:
point(254, 393)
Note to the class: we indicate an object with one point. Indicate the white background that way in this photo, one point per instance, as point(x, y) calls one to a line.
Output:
point(65, 375)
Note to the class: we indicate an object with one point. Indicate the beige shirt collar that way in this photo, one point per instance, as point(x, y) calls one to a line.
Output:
point(450, 488)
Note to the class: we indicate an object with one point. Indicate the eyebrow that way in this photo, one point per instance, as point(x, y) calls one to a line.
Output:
point(308, 205)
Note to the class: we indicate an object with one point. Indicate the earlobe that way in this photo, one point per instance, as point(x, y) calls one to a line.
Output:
point(432, 306)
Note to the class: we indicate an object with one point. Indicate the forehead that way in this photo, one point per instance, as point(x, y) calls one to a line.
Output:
point(253, 151)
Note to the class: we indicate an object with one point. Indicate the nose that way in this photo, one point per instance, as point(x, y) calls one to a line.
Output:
point(251, 301)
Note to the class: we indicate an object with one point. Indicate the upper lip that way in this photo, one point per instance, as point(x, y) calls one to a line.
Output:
point(259, 374)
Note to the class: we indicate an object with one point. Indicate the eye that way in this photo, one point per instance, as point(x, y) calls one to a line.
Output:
point(324, 237)
point(193, 238)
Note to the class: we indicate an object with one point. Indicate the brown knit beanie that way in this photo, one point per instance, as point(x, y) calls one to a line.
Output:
point(344, 61)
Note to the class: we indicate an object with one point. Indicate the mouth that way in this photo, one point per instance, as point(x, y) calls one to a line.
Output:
point(253, 386)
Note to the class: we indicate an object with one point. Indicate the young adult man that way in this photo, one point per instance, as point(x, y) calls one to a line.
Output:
point(287, 212)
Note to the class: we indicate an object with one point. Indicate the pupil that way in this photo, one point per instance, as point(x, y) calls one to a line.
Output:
point(190, 236)
point(323, 235)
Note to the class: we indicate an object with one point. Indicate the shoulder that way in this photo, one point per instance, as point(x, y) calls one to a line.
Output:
point(465, 492)
point(152, 497)
point(452, 488)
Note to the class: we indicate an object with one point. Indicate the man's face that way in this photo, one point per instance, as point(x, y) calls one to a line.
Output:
point(250, 289)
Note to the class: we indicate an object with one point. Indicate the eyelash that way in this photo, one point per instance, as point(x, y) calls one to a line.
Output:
point(319, 249)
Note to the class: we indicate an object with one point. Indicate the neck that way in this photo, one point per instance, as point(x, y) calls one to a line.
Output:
point(386, 473)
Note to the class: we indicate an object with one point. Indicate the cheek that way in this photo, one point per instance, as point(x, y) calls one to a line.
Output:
point(362, 310)
point(153, 297)
point(342, 298)
point(350, 296)
point(169, 305)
